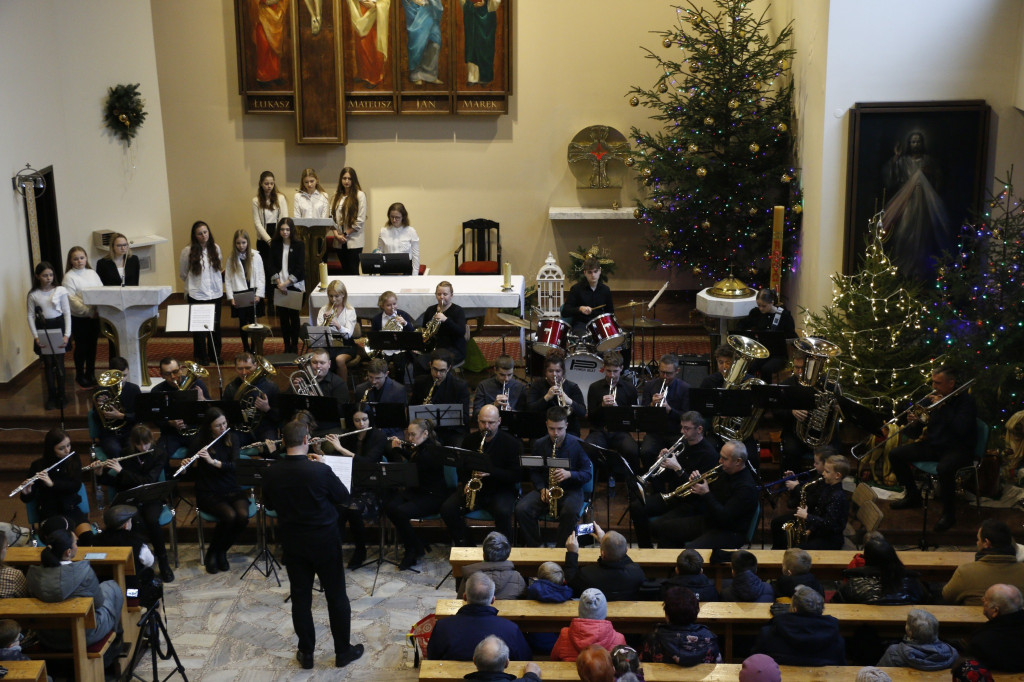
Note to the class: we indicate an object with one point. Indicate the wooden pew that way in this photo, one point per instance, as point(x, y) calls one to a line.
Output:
point(723, 618)
point(559, 671)
point(24, 671)
point(659, 563)
point(75, 615)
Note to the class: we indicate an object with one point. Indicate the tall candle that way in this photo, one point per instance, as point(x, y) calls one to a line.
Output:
point(323, 276)
point(508, 275)
point(778, 219)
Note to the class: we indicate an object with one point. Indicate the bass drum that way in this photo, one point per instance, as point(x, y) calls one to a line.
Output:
point(606, 332)
point(584, 369)
point(551, 335)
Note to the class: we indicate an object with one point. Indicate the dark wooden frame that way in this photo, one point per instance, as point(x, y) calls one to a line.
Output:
point(956, 133)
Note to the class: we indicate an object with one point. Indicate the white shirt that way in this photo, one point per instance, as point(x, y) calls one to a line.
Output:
point(344, 320)
point(53, 303)
point(234, 276)
point(208, 285)
point(401, 240)
point(74, 282)
point(261, 217)
point(357, 233)
point(315, 205)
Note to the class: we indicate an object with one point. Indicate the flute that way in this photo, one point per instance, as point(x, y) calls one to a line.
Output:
point(100, 462)
point(35, 477)
point(312, 441)
point(191, 460)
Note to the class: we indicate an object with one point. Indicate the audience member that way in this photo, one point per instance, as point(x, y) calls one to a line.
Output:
point(996, 644)
point(796, 570)
point(550, 585)
point(455, 638)
point(614, 574)
point(10, 641)
point(870, 673)
point(681, 640)
point(760, 668)
point(508, 582)
point(803, 636)
point(882, 580)
point(627, 663)
point(995, 562)
point(591, 627)
point(491, 659)
point(921, 648)
point(12, 581)
point(745, 585)
point(594, 664)
point(689, 573)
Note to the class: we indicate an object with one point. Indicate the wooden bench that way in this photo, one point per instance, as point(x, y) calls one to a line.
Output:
point(725, 619)
point(558, 671)
point(75, 615)
point(660, 563)
point(24, 671)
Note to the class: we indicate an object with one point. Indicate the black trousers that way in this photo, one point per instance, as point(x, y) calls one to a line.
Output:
point(357, 528)
point(529, 509)
point(86, 332)
point(949, 461)
point(349, 258)
point(404, 507)
point(289, 328)
point(499, 505)
point(150, 513)
point(622, 443)
point(318, 555)
point(232, 514)
point(693, 532)
point(205, 349)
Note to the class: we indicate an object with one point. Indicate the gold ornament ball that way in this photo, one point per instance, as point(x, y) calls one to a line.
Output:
point(713, 51)
point(753, 211)
point(659, 205)
point(648, 255)
point(754, 147)
point(783, 64)
point(667, 42)
point(663, 88)
point(786, 177)
point(798, 209)
point(695, 67)
point(755, 84)
point(646, 172)
point(665, 233)
point(695, 20)
point(782, 127)
point(636, 214)
point(668, 245)
point(692, 148)
point(706, 225)
point(734, 104)
point(629, 161)
point(696, 271)
point(709, 121)
point(701, 172)
point(634, 101)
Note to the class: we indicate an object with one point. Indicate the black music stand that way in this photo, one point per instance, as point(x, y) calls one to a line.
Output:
point(722, 402)
point(605, 457)
point(388, 417)
point(251, 472)
point(783, 397)
point(401, 340)
point(379, 477)
point(323, 337)
point(524, 424)
point(195, 411)
point(323, 408)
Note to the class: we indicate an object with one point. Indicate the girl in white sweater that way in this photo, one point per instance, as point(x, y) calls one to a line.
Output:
point(244, 270)
point(48, 308)
point(85, 329)
point(311, 201)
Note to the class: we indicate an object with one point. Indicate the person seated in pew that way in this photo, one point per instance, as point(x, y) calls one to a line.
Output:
point(970, 670)
point(454, 638)
point(591, 627)
point(554, 390)
point(508, 582)
point(443, 388)
point(870, 673)
point(796, 570)
point(262, 422)
point(760, 668)
point(491, 659)
point(615, 573)
point(803, 636)
point(995, 562)
point(10, 641)
point(745, 584)
point(12, 581)
point(689, 573)
point(627, 663)
point(503, 390)
point(921, 649)
point(681, 640)
point(996, 644)
point(882, 580)
point(60, 578)
point(594, 664)
point(549, 585)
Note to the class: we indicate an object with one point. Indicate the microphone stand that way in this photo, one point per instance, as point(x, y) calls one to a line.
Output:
point(55, 370)
point(216, 361)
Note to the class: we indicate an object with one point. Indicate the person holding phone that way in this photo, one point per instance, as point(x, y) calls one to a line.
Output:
point(615, 573)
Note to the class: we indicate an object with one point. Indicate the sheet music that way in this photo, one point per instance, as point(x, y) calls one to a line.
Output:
point(201, 317)
point(51, 341)
point(342, 468)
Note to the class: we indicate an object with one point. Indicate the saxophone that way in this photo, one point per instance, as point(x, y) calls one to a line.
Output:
point(796, 530)
point(475, 482)
point(366, 394)
point(430, 393)
point(248, 394)
point(107, 399)
point(555, 491)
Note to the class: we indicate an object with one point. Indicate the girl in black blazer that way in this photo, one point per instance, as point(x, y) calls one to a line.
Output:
point(287, 273)
point(120, 257)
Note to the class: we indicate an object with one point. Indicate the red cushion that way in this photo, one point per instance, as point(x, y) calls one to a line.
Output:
point(98, 646)
point(479, 267)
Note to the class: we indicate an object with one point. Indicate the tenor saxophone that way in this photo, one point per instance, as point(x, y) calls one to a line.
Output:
point(476, 482)
point(555, 491)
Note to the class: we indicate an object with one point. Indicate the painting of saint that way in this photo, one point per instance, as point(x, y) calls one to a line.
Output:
point(480, 22)
point(269, 34)
point(423, 26)
point(370, 25)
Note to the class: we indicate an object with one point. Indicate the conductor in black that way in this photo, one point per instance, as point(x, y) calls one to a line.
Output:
point(306, 495)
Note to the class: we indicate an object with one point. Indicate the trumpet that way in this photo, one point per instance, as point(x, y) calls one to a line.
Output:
point(564, 401)
point(35, 477)
point(100, 462)
point(555, 492)
point(658, 467)
point(191, 460)
point(613, 386)
point(687, 488)
point(504, 391)
point(476, 482)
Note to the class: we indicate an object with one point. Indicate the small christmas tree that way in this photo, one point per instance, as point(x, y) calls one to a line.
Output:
point(878, 319)
point(980, 289)
point(723, 158)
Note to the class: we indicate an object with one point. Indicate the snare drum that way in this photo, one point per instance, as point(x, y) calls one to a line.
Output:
point(606, 332)
point(551, 334)
point(584, 369)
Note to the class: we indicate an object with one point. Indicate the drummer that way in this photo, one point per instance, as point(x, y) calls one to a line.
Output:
point(588, 298)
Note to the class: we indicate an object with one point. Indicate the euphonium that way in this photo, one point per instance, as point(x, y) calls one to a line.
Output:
point(555, 491)
point(107, 399)
point(741, 428)
point(476, 482)
point(687, 488)
point(304, 381)
point(190, 373)
point(796, 530)
point(248, 394)
point(820, 424)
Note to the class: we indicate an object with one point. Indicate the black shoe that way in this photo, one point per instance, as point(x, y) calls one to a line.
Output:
point(211, 563)
point(82, 380)
point(305, 659)
point(358, 557)
point(353, 652)
point(166, 574)
point(222, 561)
point(908, 502)
point(409, 560)
point(946, 522)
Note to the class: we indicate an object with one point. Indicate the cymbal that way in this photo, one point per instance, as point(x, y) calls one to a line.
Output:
point(644, 322)
point(516, 321)
point(631, 304)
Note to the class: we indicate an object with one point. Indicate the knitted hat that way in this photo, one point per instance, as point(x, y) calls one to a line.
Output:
point(970, 670)
point(760, 668)
point(593, 605)
point(116, 516)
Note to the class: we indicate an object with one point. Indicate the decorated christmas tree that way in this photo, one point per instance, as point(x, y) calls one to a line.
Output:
point(885, 330)
point(723, 156)
point(981, 289)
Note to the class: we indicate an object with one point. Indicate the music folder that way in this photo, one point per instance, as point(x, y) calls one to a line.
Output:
point(468, 459)
point(51, 341)
point(245, 298)
point(383, 475)
point(191, 317)
point(549, 462)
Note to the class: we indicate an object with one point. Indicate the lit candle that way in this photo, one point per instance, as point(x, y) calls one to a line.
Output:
point(508, 275)
point(323, 276)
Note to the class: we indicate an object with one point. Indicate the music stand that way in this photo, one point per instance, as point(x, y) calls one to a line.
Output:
point(864, 418)
point(722, 402)
point(524, 424)
point(604, 456)
point(323, 408)
point(385, 263)
point(442, 414)
point(252, 472)
point(379, 477)
point(388, 417)
point(402, 340)
point(323, 337)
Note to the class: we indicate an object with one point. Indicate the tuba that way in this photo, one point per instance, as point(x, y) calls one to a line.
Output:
point(741, 428)
point(304, 381)
point(820, 424)
point(107, 399)
point(248, 393)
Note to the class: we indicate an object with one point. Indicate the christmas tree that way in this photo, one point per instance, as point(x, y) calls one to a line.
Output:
point(884, 329)
point(980, 288)
point(723, 157)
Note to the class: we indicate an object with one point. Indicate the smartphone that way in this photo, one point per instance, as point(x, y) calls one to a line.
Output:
point(584, 529)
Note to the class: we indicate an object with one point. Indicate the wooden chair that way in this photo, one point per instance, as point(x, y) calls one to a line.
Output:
point(477, 258)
